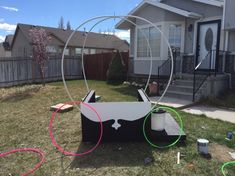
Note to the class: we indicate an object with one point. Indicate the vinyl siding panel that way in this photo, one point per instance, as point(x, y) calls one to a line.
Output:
point(229, 22)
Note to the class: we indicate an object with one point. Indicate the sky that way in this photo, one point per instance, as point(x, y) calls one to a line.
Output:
point(49, 12)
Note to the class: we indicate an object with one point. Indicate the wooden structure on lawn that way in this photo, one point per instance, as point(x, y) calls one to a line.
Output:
point(123, 121)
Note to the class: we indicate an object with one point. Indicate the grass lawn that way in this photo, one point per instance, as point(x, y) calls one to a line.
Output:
point(225, 101)
point(24, 119)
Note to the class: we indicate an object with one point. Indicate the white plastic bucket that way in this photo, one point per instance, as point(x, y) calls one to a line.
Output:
point(158, 120)
point(202, 146)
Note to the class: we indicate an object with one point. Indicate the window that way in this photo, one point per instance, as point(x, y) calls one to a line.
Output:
point(66, 53)
point(142, 44)
point(92, 51)
point(151, 35)
point(86, 51)
point(78, 51)
point(155, 41)
point(51, 49)
point(175, 36)
point(60, 50)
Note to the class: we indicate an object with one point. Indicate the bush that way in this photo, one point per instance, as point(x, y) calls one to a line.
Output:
point(117, 71)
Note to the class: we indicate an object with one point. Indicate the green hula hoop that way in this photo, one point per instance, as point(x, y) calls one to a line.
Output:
point(181, 127)
point(226, 164)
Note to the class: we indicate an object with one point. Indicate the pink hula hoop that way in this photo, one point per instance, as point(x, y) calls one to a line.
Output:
point(38, 151)
point(50, 128)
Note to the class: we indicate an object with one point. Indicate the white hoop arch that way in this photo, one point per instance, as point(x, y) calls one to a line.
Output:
point(125, 17)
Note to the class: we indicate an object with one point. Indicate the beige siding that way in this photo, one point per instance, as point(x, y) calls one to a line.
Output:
point(2, 51)
point(189, 35)
point(229, 22)
point(155, 15)
point(132, 41)
point(21, 47)
point(55, 41)
point(231, 42)
point(8, 53)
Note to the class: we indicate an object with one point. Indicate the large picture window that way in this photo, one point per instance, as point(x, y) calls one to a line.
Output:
point(175, 35)
point(151, 35)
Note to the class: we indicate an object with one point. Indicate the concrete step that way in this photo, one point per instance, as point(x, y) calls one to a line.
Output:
point(183, 88)
point(184, 92)
point(189, 76)
point(180, 95)
point(180, 88)
point(188, 83)
point(180, 82)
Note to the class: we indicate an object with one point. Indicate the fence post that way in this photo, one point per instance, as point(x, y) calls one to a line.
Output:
point(13, 72)
point(33, 70)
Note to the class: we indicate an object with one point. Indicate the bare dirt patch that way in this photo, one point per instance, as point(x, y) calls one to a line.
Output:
point(220, 152)
point(21, 93)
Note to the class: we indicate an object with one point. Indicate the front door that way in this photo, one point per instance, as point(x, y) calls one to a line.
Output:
point(208, 40)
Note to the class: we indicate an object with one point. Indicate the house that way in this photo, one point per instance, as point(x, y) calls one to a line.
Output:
point(96, 43)
point(202, 31)
point(5, 47)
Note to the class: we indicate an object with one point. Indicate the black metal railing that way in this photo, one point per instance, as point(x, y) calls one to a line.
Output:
point(164, 70)
point(201, 74)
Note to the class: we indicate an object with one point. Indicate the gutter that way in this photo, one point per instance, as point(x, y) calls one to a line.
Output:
point(194, 15)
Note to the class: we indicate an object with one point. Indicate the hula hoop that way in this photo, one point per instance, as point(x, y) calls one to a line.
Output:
point(59, 147)
point(226, 164)
point(181, 128)
point(38, 151)
point(148, 44)
point(121, 17)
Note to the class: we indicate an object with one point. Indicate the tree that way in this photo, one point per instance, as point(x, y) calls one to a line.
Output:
point(68, 25)
point(61, 23)
point(40, 40)
point(117, 72)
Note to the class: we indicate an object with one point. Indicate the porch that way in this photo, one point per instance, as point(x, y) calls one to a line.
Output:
point(189, 83)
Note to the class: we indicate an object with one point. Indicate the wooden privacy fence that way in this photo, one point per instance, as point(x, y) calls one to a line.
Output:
point(97, 65)
point(16, 71)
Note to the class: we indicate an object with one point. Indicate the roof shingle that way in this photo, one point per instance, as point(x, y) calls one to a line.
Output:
point(94, 40)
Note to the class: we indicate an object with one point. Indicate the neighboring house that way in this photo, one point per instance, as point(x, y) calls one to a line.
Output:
point(202, 30)
point(5, 47)
point(96, 43)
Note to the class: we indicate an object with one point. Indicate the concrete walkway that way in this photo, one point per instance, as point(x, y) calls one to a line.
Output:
point(211, 112)
point(173, 102)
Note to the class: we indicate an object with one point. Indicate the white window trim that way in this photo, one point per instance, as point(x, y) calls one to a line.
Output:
point(164, 48)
